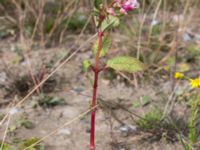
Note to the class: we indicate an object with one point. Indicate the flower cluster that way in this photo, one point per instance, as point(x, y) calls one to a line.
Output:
point(124, 6)
point(195, 83)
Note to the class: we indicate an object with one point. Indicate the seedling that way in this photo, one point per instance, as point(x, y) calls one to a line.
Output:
point(107, 16)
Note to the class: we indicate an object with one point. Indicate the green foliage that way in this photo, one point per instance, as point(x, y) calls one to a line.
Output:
point(12, 128)
point(192, 135)
point(110, 21)
point(48, 24)
point(125, 63)
point(77, 21)
point(194, 51)
point(106, 43)
point(97, 3)
point(156, 30)
point(50, 101)
point(28, 142)
point(85, 65)
point(26, 123)
point(150, 120)
point(5, 146)
point(185, 145)
point(192, 130)
point(55, 17)
point(20, 122)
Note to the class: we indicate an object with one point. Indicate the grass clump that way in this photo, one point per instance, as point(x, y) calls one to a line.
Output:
point(151, 120)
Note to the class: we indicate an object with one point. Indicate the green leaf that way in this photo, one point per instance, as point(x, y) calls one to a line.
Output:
point(110, 21)
point(125, 63)
point(97, 3)
point(106, 42)
point(5, 146)
point(85, 65)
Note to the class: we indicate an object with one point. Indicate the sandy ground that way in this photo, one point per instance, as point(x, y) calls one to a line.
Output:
point(112, 132)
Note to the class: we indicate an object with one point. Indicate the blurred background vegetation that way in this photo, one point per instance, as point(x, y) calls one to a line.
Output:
point(155, 29)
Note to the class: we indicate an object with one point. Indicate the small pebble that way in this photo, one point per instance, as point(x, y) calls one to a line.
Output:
point(127, 129)
point(64, 132)
point(186, 37)
point(3, 77)
point(154, 22)
point(13, 111)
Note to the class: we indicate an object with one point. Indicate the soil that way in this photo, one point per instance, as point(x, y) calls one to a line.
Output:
point(116, 128)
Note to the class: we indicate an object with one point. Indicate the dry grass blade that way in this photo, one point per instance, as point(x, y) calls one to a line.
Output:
point(39, 18)
point(140, 36)
point(70, 17)
point(181, 30)
point(5, 133)
point(154, 18)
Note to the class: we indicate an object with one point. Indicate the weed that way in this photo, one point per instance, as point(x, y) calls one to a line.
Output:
point(151, 120)
point(28, 142)
point(194, 103)
point(23, 144)
point(49, 101)
point(106, 17)
point(142, 101)
point(26, 123)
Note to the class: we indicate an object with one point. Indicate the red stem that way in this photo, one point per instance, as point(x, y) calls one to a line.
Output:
point(96, 75)
point(92, 130)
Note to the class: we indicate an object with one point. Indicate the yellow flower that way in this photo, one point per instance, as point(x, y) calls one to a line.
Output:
point(195, 83)
point(178, 75)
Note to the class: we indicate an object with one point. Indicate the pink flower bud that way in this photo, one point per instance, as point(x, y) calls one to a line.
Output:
point(111, 11)
point(129, 5)
point(124, 6)
point(123, 11)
